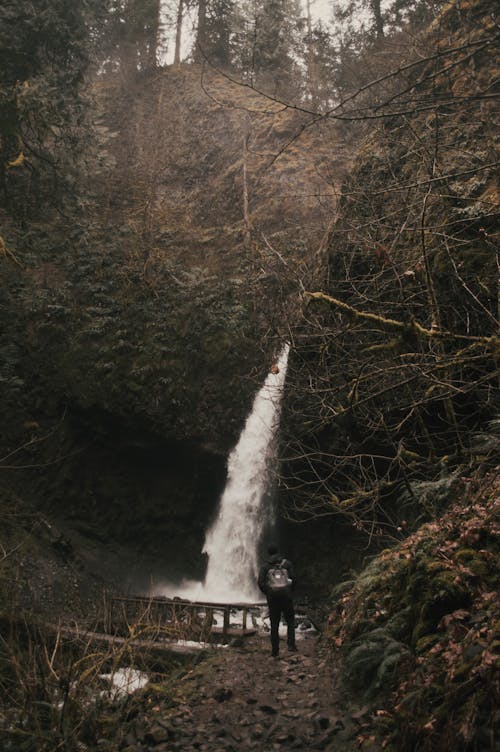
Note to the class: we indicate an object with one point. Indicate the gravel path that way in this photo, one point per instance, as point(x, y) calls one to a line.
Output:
point(242, 699)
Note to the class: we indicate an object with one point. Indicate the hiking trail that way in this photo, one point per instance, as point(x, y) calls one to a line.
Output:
point(240, 698)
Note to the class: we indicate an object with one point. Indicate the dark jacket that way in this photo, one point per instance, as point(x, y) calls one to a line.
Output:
point(273, 561)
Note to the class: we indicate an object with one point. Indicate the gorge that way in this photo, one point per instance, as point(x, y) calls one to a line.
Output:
point(164, 230)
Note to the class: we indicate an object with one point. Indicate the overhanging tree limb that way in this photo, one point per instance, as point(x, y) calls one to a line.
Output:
point(393, 324)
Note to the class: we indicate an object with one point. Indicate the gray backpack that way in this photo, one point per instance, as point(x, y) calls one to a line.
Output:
point(278, 579)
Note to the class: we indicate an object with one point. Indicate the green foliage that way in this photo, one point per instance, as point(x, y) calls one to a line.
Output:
point(373, 661)
point(130, 37)
point(268, 46)
point(418, 629)
point(219, 41)
point(44, 55)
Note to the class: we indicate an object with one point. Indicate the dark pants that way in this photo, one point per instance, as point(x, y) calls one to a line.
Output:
point(278, 605)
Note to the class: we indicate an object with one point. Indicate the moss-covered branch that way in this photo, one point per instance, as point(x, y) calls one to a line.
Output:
point(393, 324)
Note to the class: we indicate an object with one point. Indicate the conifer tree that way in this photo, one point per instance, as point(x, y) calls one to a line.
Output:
point(214, 32)
point(133, 30)
point(272, 46)
point(44, 53)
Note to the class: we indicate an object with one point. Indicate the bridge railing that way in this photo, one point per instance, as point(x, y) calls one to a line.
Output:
point(176, 618)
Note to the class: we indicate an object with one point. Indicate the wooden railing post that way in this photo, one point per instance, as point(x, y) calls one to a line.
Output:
point(225, 625)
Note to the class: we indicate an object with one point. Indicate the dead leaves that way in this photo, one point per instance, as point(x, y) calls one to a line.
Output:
point(462, 655)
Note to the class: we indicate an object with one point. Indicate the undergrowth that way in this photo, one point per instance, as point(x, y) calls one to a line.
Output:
point(57, 690)
point(419, 629)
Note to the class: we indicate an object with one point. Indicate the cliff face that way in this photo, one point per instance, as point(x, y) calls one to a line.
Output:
point(136, 335)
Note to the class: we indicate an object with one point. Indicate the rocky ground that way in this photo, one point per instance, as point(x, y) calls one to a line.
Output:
point(242, 699)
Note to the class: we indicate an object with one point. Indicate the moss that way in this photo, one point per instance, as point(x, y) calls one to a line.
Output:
point(435, 592)
point(462, 672)
point(473, 560)
point(424, 643)
point(399, 623)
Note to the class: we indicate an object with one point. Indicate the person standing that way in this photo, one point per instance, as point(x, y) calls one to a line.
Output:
point(277, 582)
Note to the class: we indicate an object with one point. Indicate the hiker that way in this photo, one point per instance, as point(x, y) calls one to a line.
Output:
point(277, 582)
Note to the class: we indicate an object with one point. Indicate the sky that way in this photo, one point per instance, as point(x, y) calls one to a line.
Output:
point(321, 9)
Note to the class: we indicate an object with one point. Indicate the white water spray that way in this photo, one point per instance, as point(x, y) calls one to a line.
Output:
point(232, 541)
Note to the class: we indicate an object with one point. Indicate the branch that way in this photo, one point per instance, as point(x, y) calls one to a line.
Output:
point(393, 324)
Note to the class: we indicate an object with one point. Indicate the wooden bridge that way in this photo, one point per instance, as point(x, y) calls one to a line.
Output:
point(177, 619)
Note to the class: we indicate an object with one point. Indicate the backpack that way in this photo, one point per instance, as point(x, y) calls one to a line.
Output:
point(278, 579)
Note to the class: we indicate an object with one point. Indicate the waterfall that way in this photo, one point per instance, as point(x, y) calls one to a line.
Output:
point(232, 541)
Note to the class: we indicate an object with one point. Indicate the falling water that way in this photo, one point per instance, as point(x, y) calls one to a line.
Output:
point(232, 541)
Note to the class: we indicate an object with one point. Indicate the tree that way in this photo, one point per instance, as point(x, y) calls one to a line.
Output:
point(178, 31)
point(132, 32)
point(322, 66)
point(44, 53)
point(270, 46)
point(214, 32)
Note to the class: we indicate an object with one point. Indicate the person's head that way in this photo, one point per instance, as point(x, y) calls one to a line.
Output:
point(272, 549)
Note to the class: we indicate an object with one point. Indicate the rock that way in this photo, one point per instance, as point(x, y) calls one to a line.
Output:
point(284, 738)
point(131, 739)
point(222, 694)
point(325, 740)
point(257, 731)
point(268, 709)
point(299, 743)
point(156, 734)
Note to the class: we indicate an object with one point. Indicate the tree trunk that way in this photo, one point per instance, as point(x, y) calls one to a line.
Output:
point(311, 68)
point(154, 34)
point(246, 212)
point(178, 32)
point(377, 17)
point(201, 31)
